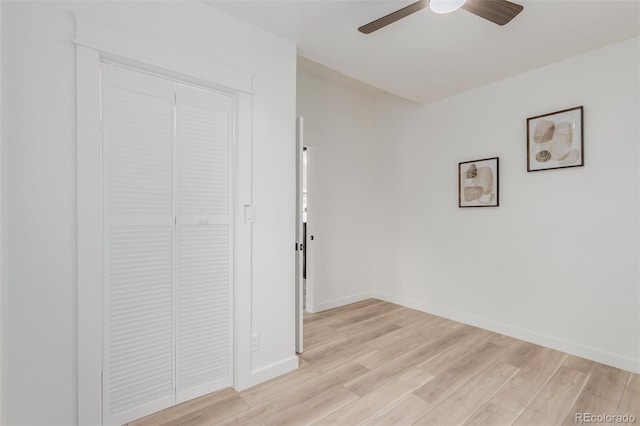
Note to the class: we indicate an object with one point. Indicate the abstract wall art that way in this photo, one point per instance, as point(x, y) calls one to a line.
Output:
point(478, 183)
point(555, 140)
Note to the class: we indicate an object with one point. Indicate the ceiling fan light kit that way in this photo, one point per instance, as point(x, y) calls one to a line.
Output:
point(500, 12)
point(445, 6)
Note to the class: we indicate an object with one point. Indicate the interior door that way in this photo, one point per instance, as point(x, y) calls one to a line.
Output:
point(204, 236)
point(138, 245)
point(167, 243)
point(299, 239)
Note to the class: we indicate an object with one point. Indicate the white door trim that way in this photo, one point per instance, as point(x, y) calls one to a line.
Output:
point(95, 42)
point(310, 281)
point(299, 235)
point(155, 55)
point(3, 311)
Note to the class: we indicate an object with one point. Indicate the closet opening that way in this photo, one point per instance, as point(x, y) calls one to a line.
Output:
point(167, 242)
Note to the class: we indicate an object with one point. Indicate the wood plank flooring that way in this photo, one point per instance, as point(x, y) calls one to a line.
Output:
point(376, 363)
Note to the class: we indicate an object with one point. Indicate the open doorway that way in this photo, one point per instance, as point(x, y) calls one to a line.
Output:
point(304, 236)
point(305, 169)
point(308, 227)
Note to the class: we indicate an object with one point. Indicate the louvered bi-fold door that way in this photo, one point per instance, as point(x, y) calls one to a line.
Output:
point(138, 245)
point(166, 243)
point(203, 242)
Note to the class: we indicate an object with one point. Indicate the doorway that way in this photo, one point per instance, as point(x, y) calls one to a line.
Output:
point(305, 208)
point(304, 238)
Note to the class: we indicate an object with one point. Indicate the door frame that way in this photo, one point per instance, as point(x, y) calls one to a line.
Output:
point(299, 292)
point(3, 280)
point(95, 42)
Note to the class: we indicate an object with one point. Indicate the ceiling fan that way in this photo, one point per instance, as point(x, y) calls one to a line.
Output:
point(499, 12)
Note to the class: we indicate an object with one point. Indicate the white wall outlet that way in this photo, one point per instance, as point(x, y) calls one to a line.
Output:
point(255, 342)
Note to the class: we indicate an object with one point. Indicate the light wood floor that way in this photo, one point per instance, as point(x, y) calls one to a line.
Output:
point(376, 363)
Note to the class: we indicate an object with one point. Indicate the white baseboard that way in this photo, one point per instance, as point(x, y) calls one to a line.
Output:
point(336, 303)
point(573, 348)
point(269, 372)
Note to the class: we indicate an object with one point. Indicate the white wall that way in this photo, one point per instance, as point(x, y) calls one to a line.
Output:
point(38, 76)
point(558, 262)
point(339, 126)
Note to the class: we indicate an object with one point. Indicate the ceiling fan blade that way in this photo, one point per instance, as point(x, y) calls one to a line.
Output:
point(499, 12)
point(393, 17)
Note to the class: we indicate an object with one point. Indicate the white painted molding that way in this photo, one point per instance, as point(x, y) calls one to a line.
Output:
point(89, 237)
point(269, 372)
point(3, 321)
point(243, 258)
point(310, 250)
point(336, 303)
point(638, 313)
point(562, 345)
point(115, 43)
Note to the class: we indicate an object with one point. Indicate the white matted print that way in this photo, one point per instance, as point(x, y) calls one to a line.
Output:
point(555, 140)
point(478, 183)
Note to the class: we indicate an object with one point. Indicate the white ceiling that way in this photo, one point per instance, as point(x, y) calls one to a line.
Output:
point(426, 56)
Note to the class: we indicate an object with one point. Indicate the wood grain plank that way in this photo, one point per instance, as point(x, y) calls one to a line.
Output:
point(579, 364)
point(443, 385)
point(502, 340)
point(169, 415)
point(460, 406)
point(319, 336)
point(309, 385)
point(552, 404)
point(392, 351)
point(521, 354)
point(389, 339)
point(209, 414)
point(492, 414)
point(346, 329)
point(313, 409)
point(407, 411)
point(410, 317)
point(351, 318)
point(347, 344)
point(371, 381)
point(511, 400)
point(378, 400)
point(462, 349)
point(336, 312)
point(250, 416)
point(602, 393)
point(630, 401)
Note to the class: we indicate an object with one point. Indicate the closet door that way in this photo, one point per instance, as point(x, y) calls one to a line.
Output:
point(138, 245)
point(204, 242)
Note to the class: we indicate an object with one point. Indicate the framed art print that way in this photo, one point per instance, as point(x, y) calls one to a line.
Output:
point(555, 140)
point(478, 183)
